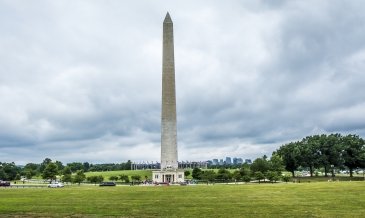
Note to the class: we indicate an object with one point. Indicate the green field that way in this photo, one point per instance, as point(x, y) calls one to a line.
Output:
point(323, 199)
point(129, 173)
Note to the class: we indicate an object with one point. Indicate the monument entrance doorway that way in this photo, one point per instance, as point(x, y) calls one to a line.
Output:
point(168, 178)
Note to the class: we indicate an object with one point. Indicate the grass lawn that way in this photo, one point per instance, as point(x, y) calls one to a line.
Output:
point(129, 173)
point(325, 179)
point(324, 199)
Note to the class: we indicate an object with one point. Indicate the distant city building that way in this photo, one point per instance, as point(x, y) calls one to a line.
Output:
point(228, 161)
point(215, 162)
point(248, 161)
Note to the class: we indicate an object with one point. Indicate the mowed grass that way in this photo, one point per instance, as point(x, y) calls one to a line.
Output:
point(129, 173)
point(326, 199)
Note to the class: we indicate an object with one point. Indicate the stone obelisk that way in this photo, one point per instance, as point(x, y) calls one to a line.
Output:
point(168, 113)
point(169, 172)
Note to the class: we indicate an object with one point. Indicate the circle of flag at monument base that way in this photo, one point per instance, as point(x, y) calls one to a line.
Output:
point(151, 165)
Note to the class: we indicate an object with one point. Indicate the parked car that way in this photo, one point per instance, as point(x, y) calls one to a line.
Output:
point(56, 185)
point(107, 184)
point(4, 183)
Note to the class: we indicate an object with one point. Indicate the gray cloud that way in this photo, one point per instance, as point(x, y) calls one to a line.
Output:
point(81, 81)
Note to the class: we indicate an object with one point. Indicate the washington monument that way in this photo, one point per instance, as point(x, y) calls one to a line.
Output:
point(168, 113)
point(169, 163)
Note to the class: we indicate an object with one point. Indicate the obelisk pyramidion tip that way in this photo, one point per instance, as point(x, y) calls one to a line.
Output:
point(167, 18)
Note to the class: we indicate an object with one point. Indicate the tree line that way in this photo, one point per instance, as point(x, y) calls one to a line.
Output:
point(10, 171)
point(51, 172)
point(324, 151)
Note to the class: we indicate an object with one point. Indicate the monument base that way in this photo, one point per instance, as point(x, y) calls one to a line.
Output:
point(168, 176)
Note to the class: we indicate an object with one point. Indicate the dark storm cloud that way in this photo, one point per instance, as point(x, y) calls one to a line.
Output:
point(81, 81)
point(308, 84)
point(313, 70)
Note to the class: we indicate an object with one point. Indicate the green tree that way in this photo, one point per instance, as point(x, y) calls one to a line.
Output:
point(29, 173)
point(260, 165)
point(95, 179)
point(310, 153)
point(124, 178)
point(353, 152)
point(290, 154)
point(32, 166)
point(196, 173)
point(92, 179)
point(31, 169)
point(223, 175)
point(100, 179)
point(128, 165)
point(259, 176)
point(208, 175)
point(285, 178)
point(66, 170)
point(246, 178)
point(50, 172)
point(44, 164)
point(236, 175)
point(86, 166)
point(245, 170)
point(272, 176)
point(66, 178)
point(276, 163)
point(17, 177)
point(330, 152)
point(187, 173)
point(3, 175)
point(113, 178)
point(75, 166)
point(10, 170)
point(136, 178)
point(79, 177)
point(59, 165)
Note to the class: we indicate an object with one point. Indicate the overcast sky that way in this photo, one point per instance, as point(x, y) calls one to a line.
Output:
point(81, 80)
